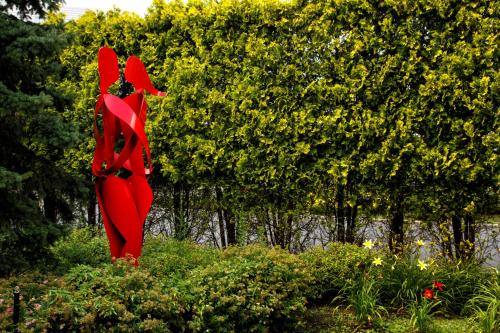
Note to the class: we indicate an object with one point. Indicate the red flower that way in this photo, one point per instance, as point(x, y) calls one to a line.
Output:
point(438, 285)
point(428, 293)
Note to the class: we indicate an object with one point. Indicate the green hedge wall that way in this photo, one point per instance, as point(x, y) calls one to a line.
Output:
point(391, 106)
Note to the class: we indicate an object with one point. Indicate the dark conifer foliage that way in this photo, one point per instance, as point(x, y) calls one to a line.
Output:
point(34, 190)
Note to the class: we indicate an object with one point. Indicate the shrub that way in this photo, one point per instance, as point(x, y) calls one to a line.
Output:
point(113, 298)
point(332, 267)
point(171, 259)
point(253, 289)
point(82, 246)
point(32, 288)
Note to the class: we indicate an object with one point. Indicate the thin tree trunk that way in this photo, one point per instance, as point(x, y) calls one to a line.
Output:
point(340, 216)
point(230, 226)
point(91, 215)
point(469, 235)
point(351, 222)
point(178, 218)
point(456, 224)
point(289, 231)
point(396, 234)
point(50, 208)
point(220, 215)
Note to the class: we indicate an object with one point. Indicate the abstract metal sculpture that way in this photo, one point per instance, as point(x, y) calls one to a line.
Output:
point(124, 202)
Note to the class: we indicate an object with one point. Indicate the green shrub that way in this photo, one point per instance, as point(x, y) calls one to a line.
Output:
point(81, 247)
point(332, 267)
point(171, 259)
point(33, 286)
point(253, 289)
point(113, 298)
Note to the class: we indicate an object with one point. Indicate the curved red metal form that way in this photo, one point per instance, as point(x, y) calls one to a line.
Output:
point(124, 202)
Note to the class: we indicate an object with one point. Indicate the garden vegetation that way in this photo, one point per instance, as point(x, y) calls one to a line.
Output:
point(287, 124)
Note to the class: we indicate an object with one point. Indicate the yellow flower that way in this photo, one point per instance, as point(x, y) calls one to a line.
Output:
point(422, 265)
point(377, 261)
point(368, 244)
point(420, 243)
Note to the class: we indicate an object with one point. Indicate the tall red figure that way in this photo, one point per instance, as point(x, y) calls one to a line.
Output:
point(124, 202)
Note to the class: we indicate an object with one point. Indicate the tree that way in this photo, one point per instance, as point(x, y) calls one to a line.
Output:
point(35, 191)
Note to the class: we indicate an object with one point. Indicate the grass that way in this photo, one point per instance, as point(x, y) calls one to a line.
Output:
point(328, 319)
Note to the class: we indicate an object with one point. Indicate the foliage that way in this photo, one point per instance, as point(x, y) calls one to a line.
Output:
point(243, 289)
point(83, 246)
point(33, 286)
point(363, 297)
point(254, 289)
point(333, 267)
point(296, 106)
point(485, 306)
point(187, 287)
point(421, 314)
point(115, 298)
point(172, 260)
point(35, 191)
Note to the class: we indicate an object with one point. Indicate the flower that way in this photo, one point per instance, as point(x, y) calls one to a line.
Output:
point(37, 306)
point(428, 293)
point(377, 261)
point(368, 244)
point(438, 285)
point(30, 322)
point(10, 309)
point(422, 265)
point(420, 242)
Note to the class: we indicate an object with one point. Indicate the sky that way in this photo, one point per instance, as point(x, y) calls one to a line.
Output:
point(137, 6)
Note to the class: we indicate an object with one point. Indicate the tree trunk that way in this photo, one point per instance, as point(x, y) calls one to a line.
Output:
point(340, 216)
point(396, 234)
point(230, 226)
point(456, 224)
point(469, 236)
point(220, 215)
point(50, 208)
point(91, 215)
point(289, 226)
point(179, 219)
point(352, 213)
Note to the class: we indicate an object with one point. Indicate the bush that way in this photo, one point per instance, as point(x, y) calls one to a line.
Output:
point(332, 268)
point(33, 286)
point(170, 259)
point(113, 298)
point(81, 247)
point(252, 289)
point(186, 288)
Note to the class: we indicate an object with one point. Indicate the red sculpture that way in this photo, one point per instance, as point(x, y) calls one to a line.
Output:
point(124, 202)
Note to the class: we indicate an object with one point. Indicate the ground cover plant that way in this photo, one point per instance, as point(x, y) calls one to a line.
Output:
point(185, 287)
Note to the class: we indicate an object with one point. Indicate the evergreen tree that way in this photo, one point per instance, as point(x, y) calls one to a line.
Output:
point(34, 189)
